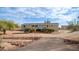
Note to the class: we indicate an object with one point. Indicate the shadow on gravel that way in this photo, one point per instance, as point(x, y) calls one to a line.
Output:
point(50, 44)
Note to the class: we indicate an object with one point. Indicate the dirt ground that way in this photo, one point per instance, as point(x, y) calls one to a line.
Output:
point(21, 34)
point(49, 44)
point(14, 39)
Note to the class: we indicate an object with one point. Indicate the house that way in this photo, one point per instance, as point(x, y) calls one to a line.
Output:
point(64, 27)
point(36, 26)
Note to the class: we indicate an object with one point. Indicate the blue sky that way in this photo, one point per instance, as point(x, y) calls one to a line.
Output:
point(39, 14)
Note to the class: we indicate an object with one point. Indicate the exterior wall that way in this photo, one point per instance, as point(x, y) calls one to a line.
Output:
point(64, 27)
point(40, 26)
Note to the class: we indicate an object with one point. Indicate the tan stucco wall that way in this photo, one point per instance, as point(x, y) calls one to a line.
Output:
point(52, 26)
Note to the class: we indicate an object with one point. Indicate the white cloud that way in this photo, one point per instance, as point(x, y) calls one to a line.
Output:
point(57, 13)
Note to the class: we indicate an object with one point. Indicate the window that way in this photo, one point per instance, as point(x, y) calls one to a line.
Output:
point(24, 26)
point(36, 25)
point(32, 25)
point(47, 25)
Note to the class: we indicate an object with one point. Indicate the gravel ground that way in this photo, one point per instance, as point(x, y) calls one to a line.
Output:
point(49, 44)
point(46, 42)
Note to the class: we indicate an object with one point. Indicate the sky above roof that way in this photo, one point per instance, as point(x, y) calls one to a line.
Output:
point(39, 14)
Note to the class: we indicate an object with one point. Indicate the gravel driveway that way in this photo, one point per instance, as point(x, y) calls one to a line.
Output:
point(49, 44)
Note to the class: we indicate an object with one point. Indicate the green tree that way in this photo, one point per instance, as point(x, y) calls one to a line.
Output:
point(73, 25)
point(7, 25)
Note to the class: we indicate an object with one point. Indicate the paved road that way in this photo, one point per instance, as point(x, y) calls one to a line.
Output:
point(49, 44)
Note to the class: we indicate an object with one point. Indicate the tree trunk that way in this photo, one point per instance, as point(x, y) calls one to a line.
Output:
point(4, 31)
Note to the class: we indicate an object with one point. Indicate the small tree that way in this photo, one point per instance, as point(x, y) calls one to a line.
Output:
point(7, 25)
point(73, 25)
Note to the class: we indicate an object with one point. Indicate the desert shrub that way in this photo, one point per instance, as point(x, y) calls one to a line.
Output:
point(29, 30)
point(48, 30)
point(73, 26)
point(44, 30)
point(38, 30)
